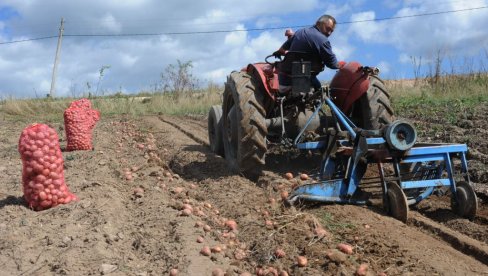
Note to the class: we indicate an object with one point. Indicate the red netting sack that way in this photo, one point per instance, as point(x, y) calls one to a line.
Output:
point(79, 121)
point(42, 171)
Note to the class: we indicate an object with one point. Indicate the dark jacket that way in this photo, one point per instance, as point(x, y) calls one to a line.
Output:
point(316, 44)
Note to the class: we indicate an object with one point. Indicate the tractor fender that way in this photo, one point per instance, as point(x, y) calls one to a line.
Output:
point(265, 74)
point(348, 85)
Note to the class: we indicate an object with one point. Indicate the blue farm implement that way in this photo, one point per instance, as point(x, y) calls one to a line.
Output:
point(350, 123)
point(418, 169)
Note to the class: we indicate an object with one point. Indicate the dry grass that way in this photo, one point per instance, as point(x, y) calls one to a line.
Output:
point(53, 109)
point(448, 98)
point(448, 86)
point(469, 89)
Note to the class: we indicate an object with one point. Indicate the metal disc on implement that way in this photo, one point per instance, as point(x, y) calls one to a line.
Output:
point(400, 135)
point(465, 202)
point(396, 204)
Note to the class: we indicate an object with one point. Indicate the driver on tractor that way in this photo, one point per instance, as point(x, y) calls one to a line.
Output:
point(311, 44)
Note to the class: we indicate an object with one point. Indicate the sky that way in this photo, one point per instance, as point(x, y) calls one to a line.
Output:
point(136, 40)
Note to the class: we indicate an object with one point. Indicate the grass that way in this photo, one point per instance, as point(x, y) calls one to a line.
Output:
point(134, 105)
point(448, 101)
point(448, 98)
point(443, 110)
point(332, 224)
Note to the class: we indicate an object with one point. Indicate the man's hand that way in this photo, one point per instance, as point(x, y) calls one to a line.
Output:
point(277, 54)
point(341, 64)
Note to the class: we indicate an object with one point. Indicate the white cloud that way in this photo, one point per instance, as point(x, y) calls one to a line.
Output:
point(217, 73)
point(128, 3)
point(236, 39)
point(265, 43)
point(338, 10)
point(127, 60)
point(262, 22)
point(391, 4)
point(367, 29)
point(458, 32)
point(384, 67)
point(404, 58)
point(341, 46)
point(109, 23)
point(136, 62)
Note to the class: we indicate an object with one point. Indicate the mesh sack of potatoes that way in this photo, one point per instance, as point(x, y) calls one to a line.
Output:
point(79, 121)
point(43, 180)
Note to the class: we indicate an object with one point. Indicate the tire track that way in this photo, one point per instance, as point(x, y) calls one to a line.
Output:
point(459, 241)
point(438, 209)
point(184, 131)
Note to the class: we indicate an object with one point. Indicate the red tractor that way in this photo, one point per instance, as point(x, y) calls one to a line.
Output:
point(350, 122)
point(255, 115)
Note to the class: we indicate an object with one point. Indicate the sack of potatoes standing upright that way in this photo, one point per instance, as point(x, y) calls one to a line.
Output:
point(79, 121)
point(42, 168)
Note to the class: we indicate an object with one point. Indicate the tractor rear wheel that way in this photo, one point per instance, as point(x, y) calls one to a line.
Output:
point(244, 126)
point(373, 110)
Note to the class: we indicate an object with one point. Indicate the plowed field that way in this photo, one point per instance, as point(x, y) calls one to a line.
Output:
point(133, 186)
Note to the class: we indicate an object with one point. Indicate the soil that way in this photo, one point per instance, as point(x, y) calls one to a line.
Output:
point(133, 186)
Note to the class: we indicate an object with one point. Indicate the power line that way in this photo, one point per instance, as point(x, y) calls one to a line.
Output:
point(244, 30)
point(248, 17)
point(28, 39)
point(185, 33)
point(413, 15)
point(271, 28)
point(241, 17)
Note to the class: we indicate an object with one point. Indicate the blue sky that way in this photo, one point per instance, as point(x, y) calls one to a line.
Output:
point(459, 38)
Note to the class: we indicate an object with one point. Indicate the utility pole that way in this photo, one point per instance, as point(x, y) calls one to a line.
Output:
point(56, 59)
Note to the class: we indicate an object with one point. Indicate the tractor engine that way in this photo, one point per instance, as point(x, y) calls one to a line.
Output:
point(295, 117)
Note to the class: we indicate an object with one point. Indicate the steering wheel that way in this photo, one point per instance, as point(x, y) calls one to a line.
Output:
point(276, 57)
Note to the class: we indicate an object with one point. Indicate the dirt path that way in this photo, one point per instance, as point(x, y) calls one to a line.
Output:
point(129, 220)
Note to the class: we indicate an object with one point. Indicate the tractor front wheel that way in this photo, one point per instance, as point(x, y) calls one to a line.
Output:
point(215, 130)
point(244, 126)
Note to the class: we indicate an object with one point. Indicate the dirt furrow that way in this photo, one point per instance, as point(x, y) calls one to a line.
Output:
point(462, 243)
point(189, 127)
point(438, 209)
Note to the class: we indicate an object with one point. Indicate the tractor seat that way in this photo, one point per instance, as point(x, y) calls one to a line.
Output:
point(295, 56)
point(296, 72)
